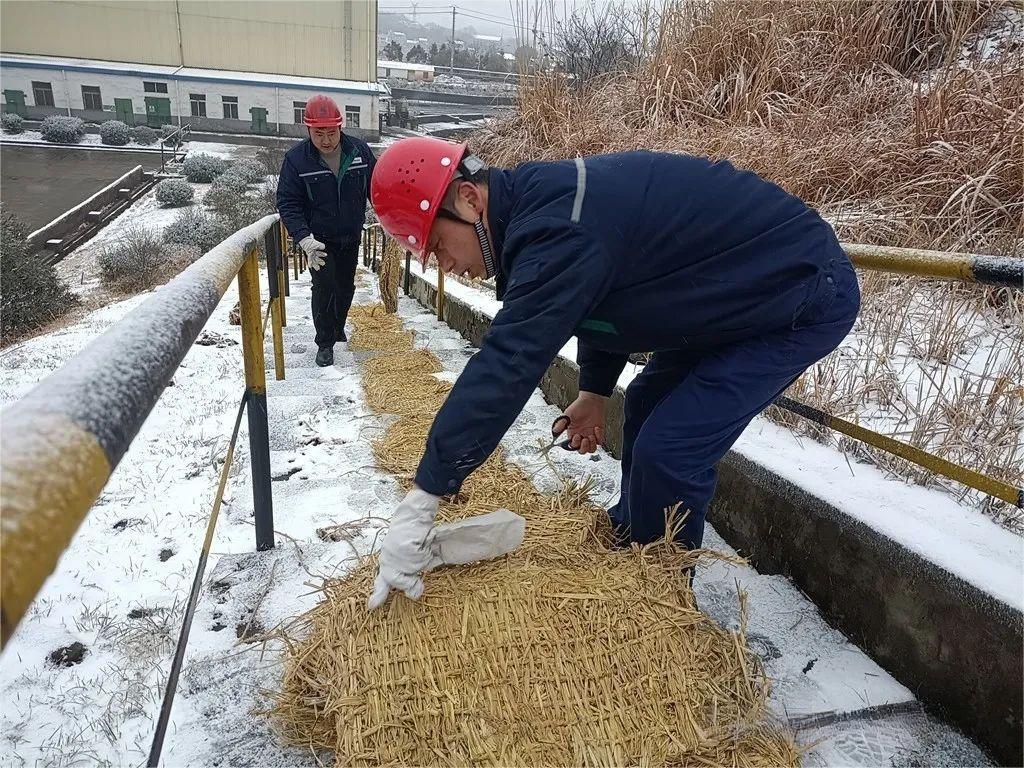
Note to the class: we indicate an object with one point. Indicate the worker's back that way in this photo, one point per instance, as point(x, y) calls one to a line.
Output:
point(701, 253)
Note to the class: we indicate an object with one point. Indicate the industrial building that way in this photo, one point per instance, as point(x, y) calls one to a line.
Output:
point(213, 64)
point(405, 70)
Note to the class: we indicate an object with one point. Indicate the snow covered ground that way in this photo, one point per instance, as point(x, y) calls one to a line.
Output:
point(120, 588)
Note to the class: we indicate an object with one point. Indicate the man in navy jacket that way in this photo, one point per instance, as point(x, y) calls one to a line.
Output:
point(321, 195)
point(735, 285)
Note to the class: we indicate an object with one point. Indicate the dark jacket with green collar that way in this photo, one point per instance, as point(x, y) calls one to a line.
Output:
point(312, 199)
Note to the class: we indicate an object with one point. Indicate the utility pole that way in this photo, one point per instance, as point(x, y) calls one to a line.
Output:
point(451, 64)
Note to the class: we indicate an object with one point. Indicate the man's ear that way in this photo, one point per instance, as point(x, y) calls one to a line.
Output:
point(470, 193)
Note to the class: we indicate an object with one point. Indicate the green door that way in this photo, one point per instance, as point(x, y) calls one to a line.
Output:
point(15, 101)
point(158, 111)
point(259, 120)
point(125, 111)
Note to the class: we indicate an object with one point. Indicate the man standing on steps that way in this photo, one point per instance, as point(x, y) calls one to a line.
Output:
point(735, 285)
point(322, 194)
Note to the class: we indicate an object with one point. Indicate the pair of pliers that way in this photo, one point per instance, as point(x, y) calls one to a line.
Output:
point(556, 433)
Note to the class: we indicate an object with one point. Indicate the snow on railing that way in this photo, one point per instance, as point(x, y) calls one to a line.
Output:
point(60, 443)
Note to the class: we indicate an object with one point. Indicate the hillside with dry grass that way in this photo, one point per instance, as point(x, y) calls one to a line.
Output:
point(902, 122)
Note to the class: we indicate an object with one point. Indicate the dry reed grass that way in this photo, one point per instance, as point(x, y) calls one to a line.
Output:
point(877, 113)
point(565, 653)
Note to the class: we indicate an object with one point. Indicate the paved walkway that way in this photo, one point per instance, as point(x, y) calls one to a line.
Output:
point(41, 183)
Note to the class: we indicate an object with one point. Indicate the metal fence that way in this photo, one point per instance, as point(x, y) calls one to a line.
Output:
point(60, 443)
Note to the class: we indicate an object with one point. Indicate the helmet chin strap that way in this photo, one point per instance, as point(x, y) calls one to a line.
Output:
point(485, 247)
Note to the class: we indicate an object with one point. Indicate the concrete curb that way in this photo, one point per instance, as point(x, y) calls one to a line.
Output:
point(957, 648)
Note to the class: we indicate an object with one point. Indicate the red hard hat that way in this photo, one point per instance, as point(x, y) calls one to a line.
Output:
point(408, 185)
point(322, 112)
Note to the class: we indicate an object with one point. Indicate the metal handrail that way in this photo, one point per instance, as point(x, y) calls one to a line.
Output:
point(180, 136)
point(60, 443)
point(964, 267)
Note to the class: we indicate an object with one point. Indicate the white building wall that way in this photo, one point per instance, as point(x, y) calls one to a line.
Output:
point(278, 101)
point(308, 38)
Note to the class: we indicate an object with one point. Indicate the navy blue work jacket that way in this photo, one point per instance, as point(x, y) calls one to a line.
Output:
point(313, 200)
point(631, 252)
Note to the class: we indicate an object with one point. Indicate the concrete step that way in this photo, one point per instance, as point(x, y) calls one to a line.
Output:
point(311, 386)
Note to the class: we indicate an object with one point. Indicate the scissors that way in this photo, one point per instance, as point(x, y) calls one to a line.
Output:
point(557, 433)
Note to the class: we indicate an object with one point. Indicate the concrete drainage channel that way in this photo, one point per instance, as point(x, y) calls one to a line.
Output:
point(956, 647)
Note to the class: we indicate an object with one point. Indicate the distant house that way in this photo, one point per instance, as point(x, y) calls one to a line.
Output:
point(404, 70)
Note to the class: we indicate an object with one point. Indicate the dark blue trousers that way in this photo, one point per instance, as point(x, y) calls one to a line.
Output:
point(686, 409)
point(334, 285)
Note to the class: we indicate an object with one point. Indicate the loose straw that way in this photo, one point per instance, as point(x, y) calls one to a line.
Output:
point(564, 653)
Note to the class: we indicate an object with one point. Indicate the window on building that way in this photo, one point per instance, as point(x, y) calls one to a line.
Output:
point(198, 103)
point(351, 116)
point(42, 93)
point(91, 97)
point(230, 107)
point(151, 87)
point(300, 111)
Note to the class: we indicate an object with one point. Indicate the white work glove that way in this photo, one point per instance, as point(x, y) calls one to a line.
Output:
point(483, 537)
point(314, 250)
point(405, 554)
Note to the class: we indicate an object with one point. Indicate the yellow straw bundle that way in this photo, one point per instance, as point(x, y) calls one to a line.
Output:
point(388, 275)
point(563, 653)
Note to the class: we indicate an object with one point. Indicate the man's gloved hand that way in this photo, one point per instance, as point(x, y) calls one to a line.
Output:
point(405, 553)
point(314, 250)
point(483, 537)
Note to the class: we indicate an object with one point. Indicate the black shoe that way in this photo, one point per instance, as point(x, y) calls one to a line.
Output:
point(325, 356)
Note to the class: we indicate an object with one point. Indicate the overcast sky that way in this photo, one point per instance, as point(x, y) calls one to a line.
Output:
point(496, 11)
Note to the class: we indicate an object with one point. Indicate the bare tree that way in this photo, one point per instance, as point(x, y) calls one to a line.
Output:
point(599, 41)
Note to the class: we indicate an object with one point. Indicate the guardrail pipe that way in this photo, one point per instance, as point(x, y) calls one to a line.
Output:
point(59, 443)
point(969, 267)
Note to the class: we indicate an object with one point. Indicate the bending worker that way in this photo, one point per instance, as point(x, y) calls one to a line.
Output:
point(735, 285)
point(321, 196)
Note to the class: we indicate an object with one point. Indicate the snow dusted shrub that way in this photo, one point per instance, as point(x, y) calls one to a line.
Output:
point(251, 171)
point(227, 190)
point(62, 129)
point(239, 209)
point(220, 197)
point(133, 261)
point(11, 122)
point(115, 133)
point(144, 135)
point(179, 256)
point(173, 193)
point(31, 294)
point(202, 168)
point(197, 228)
point(271, 157)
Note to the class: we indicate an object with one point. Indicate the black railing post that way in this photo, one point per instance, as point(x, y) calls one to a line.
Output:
point(408, 266)
point(256, 408)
